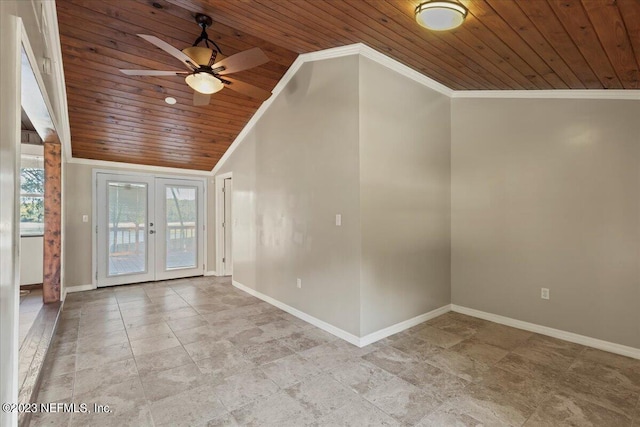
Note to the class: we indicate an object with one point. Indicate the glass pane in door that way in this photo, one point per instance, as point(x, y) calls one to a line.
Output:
point(127, 207)
point(181, 226)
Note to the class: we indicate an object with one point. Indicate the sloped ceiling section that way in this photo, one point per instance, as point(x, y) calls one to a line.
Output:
point(504, 44)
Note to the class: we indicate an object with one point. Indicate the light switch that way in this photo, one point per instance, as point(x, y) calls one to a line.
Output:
point(85, 218)
point(338, 220)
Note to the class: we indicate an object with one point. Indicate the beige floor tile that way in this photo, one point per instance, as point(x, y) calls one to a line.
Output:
point(243, 388)
point(290, 370)
point(95, 357)
point(528, 389)
point(628, 378)
point(480, 351)
point(403, 401)
point(447, 415)
point(526, 368)
point(321, 394)
point(609, 359)
point(454, 323)
point(457, 364)
point(101, 328)
point(437, 382)
point(266, 352)
point(358, 412)
point(563, 410)
point(186, 323)
point(208, 348)
point(148, 331)
point(56, 389)
point(162, 360)
point(153, 344)
point(189, 408)
point(161, 384)
point(95, 342)
point(103, 375)
point(120, 398)
point(360, 375)
point(306, 339)
point(545, 350)
point(484, 373)
point(437, 337)
point(279, 409)
point(225, 420)
point(391, 360)
point(590, 389)
point(491, 408)
point(199, 333)
point(502, 336)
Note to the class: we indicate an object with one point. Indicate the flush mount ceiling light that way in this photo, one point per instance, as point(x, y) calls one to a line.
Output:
point(440, 15)
point(204, 83)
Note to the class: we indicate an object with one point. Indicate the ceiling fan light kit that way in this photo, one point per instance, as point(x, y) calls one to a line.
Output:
point(204, 83)
point(441, 15)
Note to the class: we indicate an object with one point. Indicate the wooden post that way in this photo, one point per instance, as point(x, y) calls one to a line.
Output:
point(52, 219)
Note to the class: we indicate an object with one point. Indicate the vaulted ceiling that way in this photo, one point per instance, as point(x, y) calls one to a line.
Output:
point(503, 44)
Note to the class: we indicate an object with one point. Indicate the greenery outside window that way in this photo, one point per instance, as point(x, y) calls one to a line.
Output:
point(32, 196)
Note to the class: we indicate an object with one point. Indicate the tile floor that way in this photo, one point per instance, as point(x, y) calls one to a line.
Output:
point(198, 352)
point(29, 308)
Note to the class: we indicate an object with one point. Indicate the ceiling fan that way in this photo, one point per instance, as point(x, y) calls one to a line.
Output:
point(205, 75)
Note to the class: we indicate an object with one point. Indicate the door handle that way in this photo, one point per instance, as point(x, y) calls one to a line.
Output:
point(151, 232)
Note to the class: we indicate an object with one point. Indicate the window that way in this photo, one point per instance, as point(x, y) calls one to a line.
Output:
point(32, 196)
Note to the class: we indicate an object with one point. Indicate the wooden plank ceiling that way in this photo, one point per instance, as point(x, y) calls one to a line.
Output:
point(503, 44)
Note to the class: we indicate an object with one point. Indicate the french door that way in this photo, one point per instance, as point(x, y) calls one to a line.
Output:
point(148, 228)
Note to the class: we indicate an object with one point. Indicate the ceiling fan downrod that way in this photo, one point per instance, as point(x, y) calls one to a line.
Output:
point(205, 21)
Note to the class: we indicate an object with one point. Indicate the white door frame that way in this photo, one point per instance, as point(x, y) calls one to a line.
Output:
point(219, 186)
point(11, 32)
point(94, 215)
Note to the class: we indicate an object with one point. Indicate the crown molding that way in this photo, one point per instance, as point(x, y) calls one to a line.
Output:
point(336, 52)
point(137, 167)
point(628, 94)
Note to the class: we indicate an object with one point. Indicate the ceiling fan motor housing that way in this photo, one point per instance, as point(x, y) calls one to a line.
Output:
point(200, 55)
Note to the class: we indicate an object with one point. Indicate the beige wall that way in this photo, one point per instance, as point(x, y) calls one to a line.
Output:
point(78, 235)
point(404, 198)
point(546, 193)
point(293, 173)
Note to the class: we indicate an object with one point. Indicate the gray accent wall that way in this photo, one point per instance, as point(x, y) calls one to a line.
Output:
point(346, 136)
point(292, 174)
point(546, 193)
point(404, 198)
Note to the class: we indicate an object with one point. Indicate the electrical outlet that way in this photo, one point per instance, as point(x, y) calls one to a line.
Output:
point(299, 283)
point(544, 293)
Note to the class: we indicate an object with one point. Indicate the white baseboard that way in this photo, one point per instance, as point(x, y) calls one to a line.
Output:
point(301, 315)
point(406, 324)
point(551, 332)
point(78, 288)
point(211, 273)
point(340, 333)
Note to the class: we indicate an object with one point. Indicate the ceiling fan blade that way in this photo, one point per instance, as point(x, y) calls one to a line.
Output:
point(201, 98)
point(170, 50)
point(246, 89)
point(152, 73)
point(241, 61)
